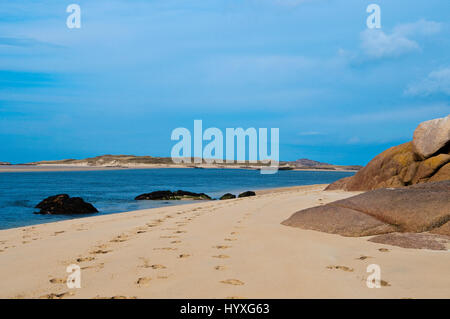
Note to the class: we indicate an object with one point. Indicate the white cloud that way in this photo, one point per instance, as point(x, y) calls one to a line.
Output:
point(377, 44)
point(436, 82)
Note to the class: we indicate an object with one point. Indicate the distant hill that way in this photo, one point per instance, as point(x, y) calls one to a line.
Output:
point(132, 160)
point(5, 163)
point(305, 163)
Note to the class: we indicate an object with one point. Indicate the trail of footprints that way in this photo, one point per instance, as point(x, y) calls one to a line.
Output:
point(229, 238)
point(91, 261)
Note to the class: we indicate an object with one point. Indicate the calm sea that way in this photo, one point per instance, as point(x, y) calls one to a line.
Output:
point(114, 191)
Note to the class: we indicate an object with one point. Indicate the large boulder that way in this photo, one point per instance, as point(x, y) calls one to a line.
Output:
point(431, 136)
point(64, 204)
point(422, 208)
point(417, 208)
point(169, 195)
point(405, 164)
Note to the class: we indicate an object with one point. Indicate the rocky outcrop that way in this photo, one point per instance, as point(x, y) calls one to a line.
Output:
point(406, 164)
point(227, 196)
point(247, 194)
point(64, 204)
point(414, 209)
point(431, 136)
point(169, 195)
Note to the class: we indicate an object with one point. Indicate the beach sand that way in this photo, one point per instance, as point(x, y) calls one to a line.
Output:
point(215, 249)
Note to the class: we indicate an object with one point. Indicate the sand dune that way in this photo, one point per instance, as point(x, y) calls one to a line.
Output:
point(218, 249)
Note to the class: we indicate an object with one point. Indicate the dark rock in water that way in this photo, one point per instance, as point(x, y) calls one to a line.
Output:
point(64, 204)
point(247, 194)
point(157, 195)
point(188, 195)
point(169, 195)
point(227, 196)
point(413, 209)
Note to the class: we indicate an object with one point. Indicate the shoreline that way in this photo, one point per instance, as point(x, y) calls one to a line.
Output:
point(216, 249)
point(81, 168)
point(178, 204)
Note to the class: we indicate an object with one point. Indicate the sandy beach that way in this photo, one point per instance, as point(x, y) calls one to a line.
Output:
point(216, 249)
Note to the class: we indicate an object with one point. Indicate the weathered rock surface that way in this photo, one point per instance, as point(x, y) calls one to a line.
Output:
point(414, 209)
point(247, 194)
point(431, 136)
point(227, 196)
point(64, 204)
point(338, 220)
point(169, 195)
point(425, 159)
point(414, 240)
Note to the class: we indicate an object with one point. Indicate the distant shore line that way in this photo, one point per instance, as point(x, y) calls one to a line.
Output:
point(21, 168)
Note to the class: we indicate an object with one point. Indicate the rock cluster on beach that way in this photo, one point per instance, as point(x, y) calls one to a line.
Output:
point(425, 159)
point(247, 194)
point(64, 204)
point(180, 195)
point(169, 195)
point(422, 208)
point(227, 196)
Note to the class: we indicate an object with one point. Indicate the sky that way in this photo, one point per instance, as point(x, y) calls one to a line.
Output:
point(338, 91)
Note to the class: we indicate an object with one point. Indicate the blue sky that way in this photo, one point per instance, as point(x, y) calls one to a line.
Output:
point(136, 70)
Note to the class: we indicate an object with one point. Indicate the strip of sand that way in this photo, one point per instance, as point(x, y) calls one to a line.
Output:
point(216, 249)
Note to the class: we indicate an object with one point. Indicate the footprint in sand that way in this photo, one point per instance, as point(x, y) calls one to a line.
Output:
point(234, 282)
point(143, 281)
point(140, 232)
point(221, 256)
point(58, 232)
point(230, 239)
point(220, 268)
point(175, 241)
point(184, 256)
point(344, 268)
point(82, 259)
point(119, 239)
point(57, 281)
point(156, 266)
point(363, 257)
point(180, 232)
point(233, 233)
point(383, 283)
point(222, 247)
point(58, 296)
point(168, 237)
point(100, 251)
point(384, 250)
